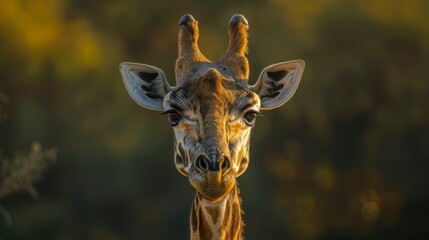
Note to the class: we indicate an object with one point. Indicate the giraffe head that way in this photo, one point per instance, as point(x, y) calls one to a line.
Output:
point(212, 108)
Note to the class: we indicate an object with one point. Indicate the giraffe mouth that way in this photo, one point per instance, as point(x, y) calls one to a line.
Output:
point(213, 186)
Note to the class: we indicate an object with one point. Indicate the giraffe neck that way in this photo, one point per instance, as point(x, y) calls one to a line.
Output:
point(220, 220)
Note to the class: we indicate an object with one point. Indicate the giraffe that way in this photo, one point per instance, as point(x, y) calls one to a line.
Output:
point(212, 109)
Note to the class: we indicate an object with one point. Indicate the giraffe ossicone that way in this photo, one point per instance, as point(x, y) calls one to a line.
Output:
point(212, 109)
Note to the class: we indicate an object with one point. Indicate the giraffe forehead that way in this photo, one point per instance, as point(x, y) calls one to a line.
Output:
point(214, 85)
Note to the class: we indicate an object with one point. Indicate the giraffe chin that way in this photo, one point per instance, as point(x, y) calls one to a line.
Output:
point(212, 188)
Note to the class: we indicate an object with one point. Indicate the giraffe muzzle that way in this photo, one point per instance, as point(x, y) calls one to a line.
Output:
point(212, 176)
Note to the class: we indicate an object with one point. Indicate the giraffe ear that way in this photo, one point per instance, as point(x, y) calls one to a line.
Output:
point(146, 84)
point(277, 83)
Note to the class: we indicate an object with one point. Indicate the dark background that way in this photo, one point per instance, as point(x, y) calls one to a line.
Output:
point(346, 158)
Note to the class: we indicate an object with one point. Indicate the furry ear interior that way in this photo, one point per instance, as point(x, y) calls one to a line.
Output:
point(277, 83)
point(146, 84)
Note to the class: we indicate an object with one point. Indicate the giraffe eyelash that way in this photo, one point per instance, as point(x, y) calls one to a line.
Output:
point(169, 111)
point(174, 117)
point(249, 116)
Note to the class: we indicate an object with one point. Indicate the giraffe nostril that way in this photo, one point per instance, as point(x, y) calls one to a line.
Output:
point(225, 164)
point(202, 163)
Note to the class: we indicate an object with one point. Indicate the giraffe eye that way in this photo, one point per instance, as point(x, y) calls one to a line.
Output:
point(250, 117)
point(173, 117)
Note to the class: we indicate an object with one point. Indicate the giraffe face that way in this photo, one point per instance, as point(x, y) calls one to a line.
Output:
point(212, 108)
point(212, 116)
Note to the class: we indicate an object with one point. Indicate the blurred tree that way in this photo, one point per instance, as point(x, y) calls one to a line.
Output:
point(19, 174)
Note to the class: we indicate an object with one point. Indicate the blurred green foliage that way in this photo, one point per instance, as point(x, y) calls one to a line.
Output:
point(344, 159)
